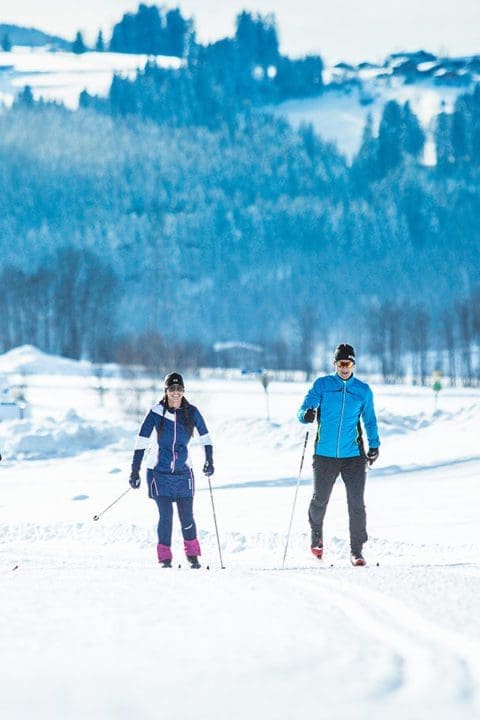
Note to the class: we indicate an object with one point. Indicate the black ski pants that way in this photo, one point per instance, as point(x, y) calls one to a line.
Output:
point(353, 472)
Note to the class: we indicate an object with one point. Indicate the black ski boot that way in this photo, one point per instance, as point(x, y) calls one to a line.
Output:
point(166, 563)
point(357, 559)
point(193, 560)
point(316, 544)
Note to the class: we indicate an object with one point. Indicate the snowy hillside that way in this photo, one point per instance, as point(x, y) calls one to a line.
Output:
point(62, 76)
point(94, 628)
point(428, 83)
point(339, 114)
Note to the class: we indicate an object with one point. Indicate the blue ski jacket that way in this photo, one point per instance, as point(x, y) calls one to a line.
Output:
point(340, 404)
point(168, 457)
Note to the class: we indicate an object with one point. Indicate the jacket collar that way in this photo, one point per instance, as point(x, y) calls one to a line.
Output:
point(344, 382)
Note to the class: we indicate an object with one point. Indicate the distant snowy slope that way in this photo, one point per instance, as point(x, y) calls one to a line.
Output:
point(62, 76)
point(31, 37)
point(354, 92)
point(338, 115)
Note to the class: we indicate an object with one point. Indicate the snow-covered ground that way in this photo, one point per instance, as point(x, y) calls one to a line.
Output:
point(340, 115)
point(62, 76)
point(91, 627)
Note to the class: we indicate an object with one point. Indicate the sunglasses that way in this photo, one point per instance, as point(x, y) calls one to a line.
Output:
point(345, 364)
point(176, 388)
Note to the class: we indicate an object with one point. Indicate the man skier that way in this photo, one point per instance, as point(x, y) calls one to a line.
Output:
point(339, 401)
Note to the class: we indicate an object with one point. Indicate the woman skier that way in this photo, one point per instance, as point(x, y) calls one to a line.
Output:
point(169, 474)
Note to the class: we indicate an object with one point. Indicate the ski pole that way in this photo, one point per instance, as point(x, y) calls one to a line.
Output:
point(216, 526)
point(295, 499)
point(97, 517)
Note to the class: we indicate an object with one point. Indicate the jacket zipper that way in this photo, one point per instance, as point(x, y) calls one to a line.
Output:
point(341, 417)
point(172, 464)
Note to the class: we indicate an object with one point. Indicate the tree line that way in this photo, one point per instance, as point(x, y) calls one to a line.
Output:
point(216, 82)
point(139, 237)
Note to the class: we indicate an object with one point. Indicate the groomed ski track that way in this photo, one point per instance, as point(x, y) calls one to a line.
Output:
point(109, 637)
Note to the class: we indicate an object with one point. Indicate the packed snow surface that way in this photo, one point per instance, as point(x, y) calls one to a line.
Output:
point(90, 625)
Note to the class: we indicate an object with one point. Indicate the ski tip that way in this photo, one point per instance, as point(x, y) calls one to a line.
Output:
point(15, 568)
point(95, 517)
point(208, 567)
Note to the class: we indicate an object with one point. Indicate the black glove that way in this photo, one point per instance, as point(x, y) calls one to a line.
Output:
point(0, 458)
point(372, 455)
point(134, 479)
point(309, 415)
point(208, 468)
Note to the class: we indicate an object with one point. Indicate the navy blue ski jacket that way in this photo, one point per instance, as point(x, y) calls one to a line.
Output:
point(168, 457)
point(340, 405)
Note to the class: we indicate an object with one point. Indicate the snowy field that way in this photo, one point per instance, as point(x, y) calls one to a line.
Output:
point(340, 115)
point(62, 76)
point(91, 627)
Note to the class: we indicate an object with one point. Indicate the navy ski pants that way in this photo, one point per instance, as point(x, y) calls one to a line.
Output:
point(165, 521)
point(353, 473)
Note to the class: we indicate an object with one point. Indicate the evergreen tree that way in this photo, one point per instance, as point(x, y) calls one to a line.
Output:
point(299, 78)
point(474, 122)
point(149, 32)
point(25, 98)
point(100, 43)
point(443, 143)
point(458, 124)
point(413, 139)
point(365, 165)
point(178, 32)
point(78, 45)
point(256, 37)
point(389, 138)
point(6, 43)
point(400, 134)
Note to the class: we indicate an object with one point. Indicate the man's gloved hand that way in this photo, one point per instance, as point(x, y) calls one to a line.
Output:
point(134, 479)
point(309, 415)
point(372, 455)
point(208, 468)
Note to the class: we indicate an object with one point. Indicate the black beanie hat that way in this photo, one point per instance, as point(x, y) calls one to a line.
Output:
point(344, 352)
point(173, 378)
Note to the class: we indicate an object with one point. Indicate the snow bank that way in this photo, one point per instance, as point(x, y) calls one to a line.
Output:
point(391, 423)
point(30, 360)
point(51, 438)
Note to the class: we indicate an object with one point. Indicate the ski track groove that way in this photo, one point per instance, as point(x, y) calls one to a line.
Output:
point(429, 661)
